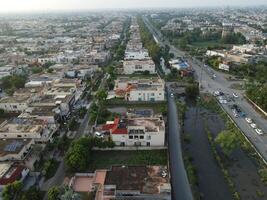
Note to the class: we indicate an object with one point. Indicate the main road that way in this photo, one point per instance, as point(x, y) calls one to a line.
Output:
point(210, 84)
point(181, 189)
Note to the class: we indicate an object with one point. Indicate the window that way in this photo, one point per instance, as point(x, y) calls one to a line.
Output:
point(136, 137)
point(130, 137)
point(148, 144)
point(159, 94)
point(141, 137)
point(148, 137)
point(18, 135)
point(122, 144)
point(152, 94)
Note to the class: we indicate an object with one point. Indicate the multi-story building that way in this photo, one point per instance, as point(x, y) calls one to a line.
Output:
point(140, 90)
point(143, 131)
point(135, 66)
point(27, 128)
point(125, 183)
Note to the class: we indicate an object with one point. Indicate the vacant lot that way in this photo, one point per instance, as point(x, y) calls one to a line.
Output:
point(105, 159)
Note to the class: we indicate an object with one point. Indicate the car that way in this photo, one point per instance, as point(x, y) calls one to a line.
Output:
point(172, 95)
point(235, 95)
point(253, 125)
point(214, 76)
point(248, 120)
point(99, 135)
point(259, 131)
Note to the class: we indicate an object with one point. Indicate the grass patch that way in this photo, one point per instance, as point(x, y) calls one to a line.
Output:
point(157, 107)
point(105, 159)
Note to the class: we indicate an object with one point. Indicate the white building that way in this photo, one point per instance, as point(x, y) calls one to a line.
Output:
point(136, 55)
point(15, 103)
point(133, 66)
point(149, 131)
point(140, 90)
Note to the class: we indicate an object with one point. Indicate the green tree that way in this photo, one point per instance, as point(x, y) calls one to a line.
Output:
point(101, 95)
point(77, 156)
point(192, 91)
point(12, 191)
point(32, 193)
point(228, 141)
point(54, 193)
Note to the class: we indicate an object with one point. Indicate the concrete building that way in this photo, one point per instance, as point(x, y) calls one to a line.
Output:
point(15, 149)
point(135, 66)
point(143, 131)
point(10, 173)
point(125, 183)
point(140, 90)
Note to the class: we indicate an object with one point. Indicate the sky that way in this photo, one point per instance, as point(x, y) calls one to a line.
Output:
point(7, 6)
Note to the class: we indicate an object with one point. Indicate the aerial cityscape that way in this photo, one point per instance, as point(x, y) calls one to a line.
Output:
point(133, 100)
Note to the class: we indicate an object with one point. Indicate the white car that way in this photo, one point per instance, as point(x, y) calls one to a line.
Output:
point(216, 93)
point(259, 131)
point(235, 95)
point(99, 135)
point(248, 120)
point(172, 95)
point(253, 125)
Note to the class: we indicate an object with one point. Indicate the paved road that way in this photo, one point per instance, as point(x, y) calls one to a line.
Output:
point(204, 76)
point(59, 176)
point(180, 186)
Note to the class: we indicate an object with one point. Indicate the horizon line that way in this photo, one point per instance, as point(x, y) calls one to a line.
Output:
point(125, 8)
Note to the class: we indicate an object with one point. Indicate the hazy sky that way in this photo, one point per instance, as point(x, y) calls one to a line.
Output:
point(48, 5)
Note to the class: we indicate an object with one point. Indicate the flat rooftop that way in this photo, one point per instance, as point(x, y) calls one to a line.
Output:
point(146, 179)
point(12, 146)
point(150, 124)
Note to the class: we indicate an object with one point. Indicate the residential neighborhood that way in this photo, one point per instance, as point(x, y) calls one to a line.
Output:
point(133, 100)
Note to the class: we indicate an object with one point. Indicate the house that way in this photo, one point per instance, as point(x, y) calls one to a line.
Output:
point(140, 89)
point(16, 103)
point(125, 183)
point(137, 131)
point(15, 149)
point(135, 66)
point(10, 173)
point(27, 128)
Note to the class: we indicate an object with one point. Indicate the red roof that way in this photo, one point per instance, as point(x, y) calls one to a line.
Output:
point(113, 128)
point(16, 175)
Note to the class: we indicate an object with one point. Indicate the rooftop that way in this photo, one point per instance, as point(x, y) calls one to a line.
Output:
point(146, 179)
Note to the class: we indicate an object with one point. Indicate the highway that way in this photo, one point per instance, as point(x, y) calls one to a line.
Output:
point(181, 189)
point(220, 83)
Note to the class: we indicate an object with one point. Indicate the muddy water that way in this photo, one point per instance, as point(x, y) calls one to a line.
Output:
point(211, 181)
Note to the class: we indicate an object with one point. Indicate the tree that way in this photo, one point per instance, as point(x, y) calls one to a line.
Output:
point(12, 191)
point(70, 195)
point(77, 156)
point(192, 90)
point(73, 124)
point(228, 141)
point(54, 193)
point(32, 193)
point(101, 95)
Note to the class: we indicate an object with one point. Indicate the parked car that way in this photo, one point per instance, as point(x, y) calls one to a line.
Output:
point(235, 95)
point(172, 95)
point(259, 131)
point(99, 135)
point(253, 125)
point(248, 120)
